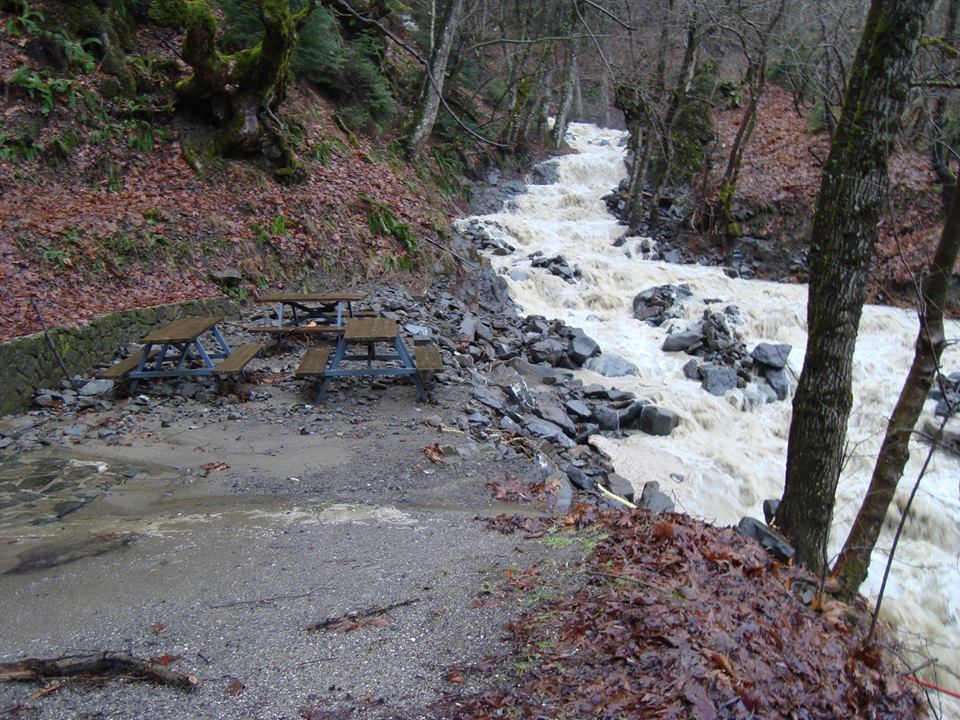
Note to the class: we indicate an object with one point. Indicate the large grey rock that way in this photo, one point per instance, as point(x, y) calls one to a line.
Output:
point(691, 370)
point(578, 408)
point(94, 388)
point(658, 421)
point(607, 418)
point(547, 350)
point(610, 365)
point(770, 506)
point(547, 430)
point(581, 348)
point(555, 414)
point(578, 477)
point(772, 541)
point(468, 328)
point(619, 485)
point(654, 500)
point(683, 340)
point(772, 355)
point(779, 382)
point(546, 172)
point(492, 397)
point(484, 332)
point(717, 380)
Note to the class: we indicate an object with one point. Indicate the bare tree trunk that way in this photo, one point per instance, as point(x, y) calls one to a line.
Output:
point(844, 234)
point(569, 86)
point(854, 561)
point(941, 162)
point(433, 90)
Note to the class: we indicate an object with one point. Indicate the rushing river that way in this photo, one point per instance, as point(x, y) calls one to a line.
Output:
point(728, 454)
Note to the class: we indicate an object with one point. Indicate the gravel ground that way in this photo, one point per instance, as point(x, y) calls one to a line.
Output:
point(239, 523)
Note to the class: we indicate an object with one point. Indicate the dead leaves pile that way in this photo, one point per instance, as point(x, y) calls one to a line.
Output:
point(678, 619)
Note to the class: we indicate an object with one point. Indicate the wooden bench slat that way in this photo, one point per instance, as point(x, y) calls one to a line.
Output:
point(370, 329)
point(241, 355)
point(297, 330)
point(182, 330)
point(120, 369)
point(427, 358)
point(313, 362)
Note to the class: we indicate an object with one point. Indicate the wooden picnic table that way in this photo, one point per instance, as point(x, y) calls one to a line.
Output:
point(182, 353)
point(369, 332)
point(316, 309)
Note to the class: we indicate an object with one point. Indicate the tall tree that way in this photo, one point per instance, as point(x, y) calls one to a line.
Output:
point(844, 234)
point(435, 75)
point(242, 90)
point(854, 560)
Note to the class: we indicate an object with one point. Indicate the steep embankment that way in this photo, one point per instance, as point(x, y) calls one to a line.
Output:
point(111, 204)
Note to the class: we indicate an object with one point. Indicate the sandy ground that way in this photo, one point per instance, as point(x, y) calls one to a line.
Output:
point(231, 526)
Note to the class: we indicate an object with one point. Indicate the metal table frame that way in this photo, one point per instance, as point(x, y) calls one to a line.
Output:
point(185, 349)
point(329, 309)
point(355, 332)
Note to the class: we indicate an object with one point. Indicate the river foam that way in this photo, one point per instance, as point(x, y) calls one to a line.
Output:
point(728, 455)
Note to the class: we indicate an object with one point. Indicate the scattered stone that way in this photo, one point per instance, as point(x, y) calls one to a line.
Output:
point(654, 500)
point(718, 380)
point(779, 382)
point(581, 349)
point(770, 506)
point(578, 408)
point(684, 340)
point(547, 430)
point(549, 351)
point(97, 387)
point(578, 477)
point(619, 485)
point(771, 355)
point(691, 370)
point(610, 365)
point(607, 418)
point(658, 421)
point(772, 541)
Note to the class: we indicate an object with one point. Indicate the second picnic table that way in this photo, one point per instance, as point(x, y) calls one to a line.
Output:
point(369, 332)
point(320, 308)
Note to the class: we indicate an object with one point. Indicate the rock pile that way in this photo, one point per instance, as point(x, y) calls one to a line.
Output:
point(947, 397)
point(657, 305)
point(727, 364)
point(556, 266)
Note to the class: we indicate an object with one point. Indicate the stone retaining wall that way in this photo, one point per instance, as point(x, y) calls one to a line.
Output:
point(27, 363)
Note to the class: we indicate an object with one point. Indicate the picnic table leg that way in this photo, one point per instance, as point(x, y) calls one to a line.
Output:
point(334, 364)
point(202, 352)
point(280, 315)
point(408, 362)
point(221, 341)
point(144, 354)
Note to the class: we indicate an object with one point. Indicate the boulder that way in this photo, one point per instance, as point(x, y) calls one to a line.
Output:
point(94, 388)
point(619, 485)
point(777, 378)
point(548, 350)
point(683, 340)
point(770, 506)
point(610, 365)
point(607, 417)
point(771, 541)
point(658, 421)
point(718, 380)
point(581, 348)
point(578, 477)
point(691, 370)
point(578, 408)
point(654, 500)
point(547, 430)
point(771, 355)
point(555, 414)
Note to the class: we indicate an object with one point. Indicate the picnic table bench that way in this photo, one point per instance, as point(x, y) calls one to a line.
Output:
point(182, 353)
point(369, 332)
point(309, 309)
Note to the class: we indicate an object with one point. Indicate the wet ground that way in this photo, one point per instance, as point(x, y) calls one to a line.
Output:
point(218, 530)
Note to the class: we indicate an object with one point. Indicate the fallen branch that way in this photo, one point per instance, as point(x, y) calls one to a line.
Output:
point(613, 496)
point(97, 664)
point(358, 616)
point(261, 601)
point(51, 344)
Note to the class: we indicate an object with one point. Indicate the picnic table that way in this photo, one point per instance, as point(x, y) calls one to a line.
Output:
point(297, 311)
point(182, 353)
point(369, 332)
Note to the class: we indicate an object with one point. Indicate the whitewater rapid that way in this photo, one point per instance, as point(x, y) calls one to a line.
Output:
point(728, 455)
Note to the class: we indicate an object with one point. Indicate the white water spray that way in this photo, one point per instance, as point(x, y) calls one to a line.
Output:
point(728, 455)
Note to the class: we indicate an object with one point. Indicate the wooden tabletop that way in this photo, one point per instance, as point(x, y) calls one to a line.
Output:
point(182, 330)
point(370, 330)
point(329, 297)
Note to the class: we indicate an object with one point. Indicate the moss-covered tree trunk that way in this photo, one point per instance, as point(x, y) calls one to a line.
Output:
point(435, 75)
point(844, 233)
point(854, 560)
point(244, 90)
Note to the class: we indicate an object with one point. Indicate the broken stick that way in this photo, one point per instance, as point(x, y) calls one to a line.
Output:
point(96, 664)
point(359, 614)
